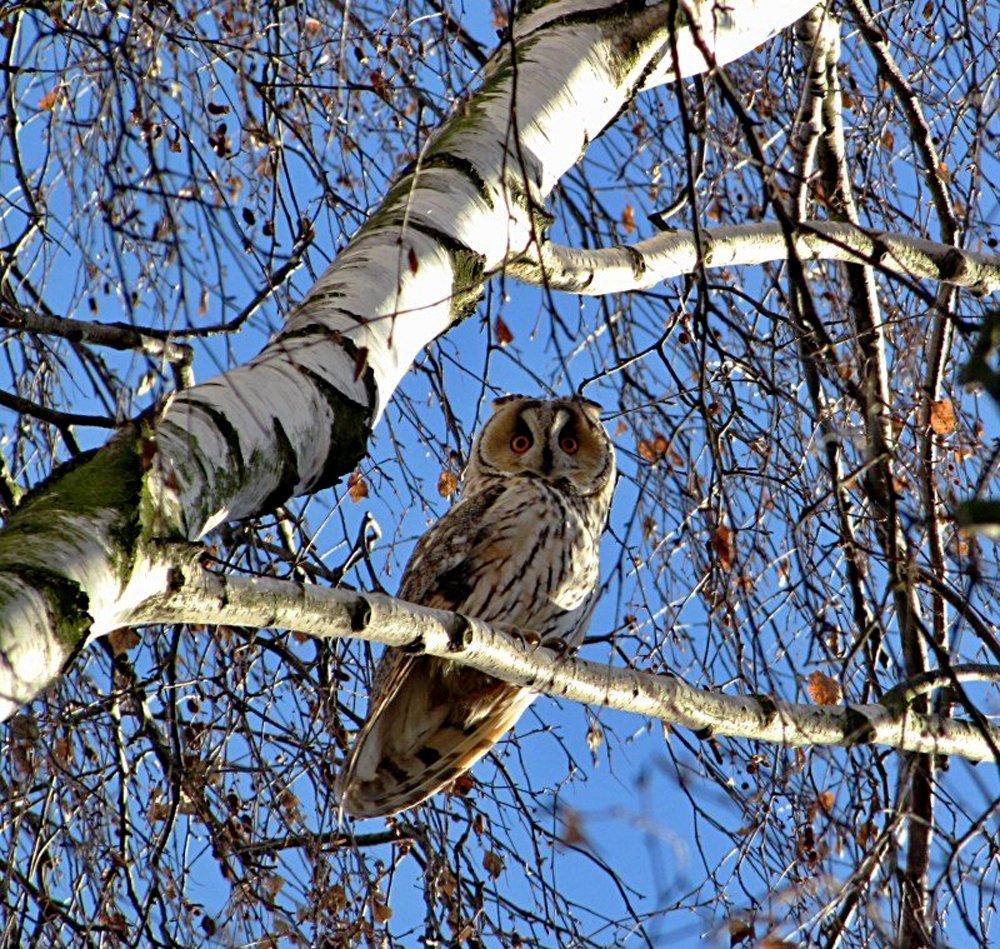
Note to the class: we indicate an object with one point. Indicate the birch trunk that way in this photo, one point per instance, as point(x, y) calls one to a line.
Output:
point(75, 559)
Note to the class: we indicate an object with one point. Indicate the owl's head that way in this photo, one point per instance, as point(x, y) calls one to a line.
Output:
point(560, 440)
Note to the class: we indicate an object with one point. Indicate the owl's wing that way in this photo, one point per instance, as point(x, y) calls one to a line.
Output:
point(430, 720)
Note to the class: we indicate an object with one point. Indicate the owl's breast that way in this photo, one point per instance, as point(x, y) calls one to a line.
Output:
point(535, 564)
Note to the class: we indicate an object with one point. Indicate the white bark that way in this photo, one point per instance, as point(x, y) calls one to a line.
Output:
point(298, 416)
point(198, 596)
point(671, 254)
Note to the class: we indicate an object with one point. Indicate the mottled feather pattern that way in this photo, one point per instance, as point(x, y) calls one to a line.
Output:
point(521, 549)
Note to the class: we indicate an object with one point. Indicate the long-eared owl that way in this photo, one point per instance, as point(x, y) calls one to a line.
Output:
point(520, 548)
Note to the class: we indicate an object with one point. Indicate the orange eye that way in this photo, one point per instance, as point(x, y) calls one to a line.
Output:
point(519, 444)
point(569, 444)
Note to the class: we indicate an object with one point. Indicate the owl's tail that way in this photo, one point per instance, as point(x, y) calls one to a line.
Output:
point(430, 722)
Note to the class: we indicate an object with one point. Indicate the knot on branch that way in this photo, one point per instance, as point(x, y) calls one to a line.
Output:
point(767, 706)
point(460, 634)
point(360, 612)
point(858, 728)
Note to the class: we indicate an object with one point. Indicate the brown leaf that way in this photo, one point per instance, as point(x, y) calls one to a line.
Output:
point(628, 219)
point(381, 911)
point(724, 545)
point(463, 785)
point(740, 930)
point(823, 690)
point(502, 332)
point(572, 827)
point(942, 417)
point(357, 490)
point(122, 640)
point(412, 257)
point(493, 863)
point(447, 484)
point(826, 800)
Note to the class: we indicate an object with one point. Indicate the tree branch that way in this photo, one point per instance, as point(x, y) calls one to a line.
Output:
point(197, 595)
point(639, 266)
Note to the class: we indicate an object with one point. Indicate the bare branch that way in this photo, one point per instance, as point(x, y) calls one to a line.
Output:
point(200, 596)
point(674, 253)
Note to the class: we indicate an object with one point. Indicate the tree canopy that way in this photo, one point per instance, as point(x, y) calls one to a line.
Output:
point(778, 276)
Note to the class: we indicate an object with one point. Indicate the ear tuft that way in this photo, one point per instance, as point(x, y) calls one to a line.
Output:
point(504, 399)
point(590, 407)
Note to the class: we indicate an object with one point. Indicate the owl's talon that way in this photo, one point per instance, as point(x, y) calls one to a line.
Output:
point(528, 638)
point(560, 647)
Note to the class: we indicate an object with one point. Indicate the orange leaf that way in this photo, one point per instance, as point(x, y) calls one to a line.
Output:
point(48, 101)
point(823, 690)
point(628, 219)
point(447, 484)
point(942, 417)
point(503, 334)
point(357, 490)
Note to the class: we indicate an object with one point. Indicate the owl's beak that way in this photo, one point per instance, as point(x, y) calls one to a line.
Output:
point(546, 459)
point(559, 420)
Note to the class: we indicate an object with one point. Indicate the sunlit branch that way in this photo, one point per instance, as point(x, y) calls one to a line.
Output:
point(672, 254)
point(197, 595)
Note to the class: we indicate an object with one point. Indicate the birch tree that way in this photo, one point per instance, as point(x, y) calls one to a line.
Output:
point(792, 269)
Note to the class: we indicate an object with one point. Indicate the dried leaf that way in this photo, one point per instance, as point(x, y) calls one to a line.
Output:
point(412, 257)
point(942, 417)
point(357, 490)
point(493, 863)
point(823, 690)
point(740, 930)
point(501, 330)
point(572, 827)
point(595, 738)
point(381, 910)
point(826, 800)
point(628, 219)
point(447, 484)
point(724, 546)
point(122, 640)
point(48, 101)
point(463, 785)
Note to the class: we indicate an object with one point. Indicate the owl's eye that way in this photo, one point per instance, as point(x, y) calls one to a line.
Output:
point(519, 444)
point(569, 444)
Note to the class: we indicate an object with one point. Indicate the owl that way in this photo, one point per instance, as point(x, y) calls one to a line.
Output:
point(520, 548)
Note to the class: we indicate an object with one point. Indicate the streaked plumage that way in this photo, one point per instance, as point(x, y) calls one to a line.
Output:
point(521, 548)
